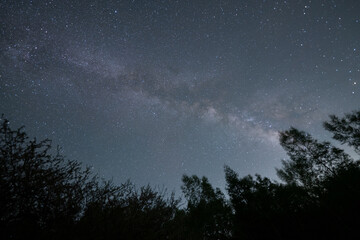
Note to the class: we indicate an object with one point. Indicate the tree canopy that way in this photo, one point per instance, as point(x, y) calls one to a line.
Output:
point(45, 196)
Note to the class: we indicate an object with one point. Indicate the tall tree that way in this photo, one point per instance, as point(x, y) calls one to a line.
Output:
point(310, 161)
point(144, 213)
point(328, 175)
point(255, 205)
point(208, 214)
point(41, 193)
point(346, 129)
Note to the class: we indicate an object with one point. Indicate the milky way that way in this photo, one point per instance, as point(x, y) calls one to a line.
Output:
point(151, 90)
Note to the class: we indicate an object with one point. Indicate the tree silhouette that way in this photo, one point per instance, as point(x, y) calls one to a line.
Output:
point(310, 161)
point(42, 193)
point(255, 205)
point(319, 196)
point(45, 196)
point(208, 214)
point(346, 129)
point(137, 214)
point(328, 176)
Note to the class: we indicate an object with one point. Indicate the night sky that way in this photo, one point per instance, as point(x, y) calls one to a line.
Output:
point(152, 90)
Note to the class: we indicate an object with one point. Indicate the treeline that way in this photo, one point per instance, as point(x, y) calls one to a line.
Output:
point(45, 196)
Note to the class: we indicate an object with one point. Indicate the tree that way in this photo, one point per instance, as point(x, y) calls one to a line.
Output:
point(329, 176)
point(346, 129)
point(45, 196)
point(310, 161)
point(255, 204)
point(143, 213)
point(320, 193)
point(208, 214)
point(41, 193)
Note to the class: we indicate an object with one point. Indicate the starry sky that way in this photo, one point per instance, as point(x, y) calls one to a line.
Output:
point(152, 90)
